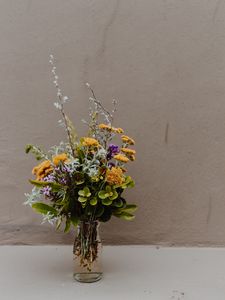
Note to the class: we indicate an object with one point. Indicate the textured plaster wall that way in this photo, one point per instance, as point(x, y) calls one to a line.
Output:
point(165, 61)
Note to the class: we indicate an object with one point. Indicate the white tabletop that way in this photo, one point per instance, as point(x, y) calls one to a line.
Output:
point(130, 272)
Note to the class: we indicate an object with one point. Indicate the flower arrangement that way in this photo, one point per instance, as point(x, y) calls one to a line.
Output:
point(84, 178)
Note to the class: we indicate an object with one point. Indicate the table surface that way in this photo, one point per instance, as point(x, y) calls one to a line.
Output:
point(130, 272)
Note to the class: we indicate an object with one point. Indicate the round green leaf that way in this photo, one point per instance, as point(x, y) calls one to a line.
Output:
point(82, 199)
point(106, 201)
point(94, 201)
point(102, 195)
point(118, 203)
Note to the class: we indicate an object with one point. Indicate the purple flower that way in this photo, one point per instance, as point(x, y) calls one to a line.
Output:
point(63, 180)
point(112, 150)
point(49, 178)
point(67, 169)
point(46, 190)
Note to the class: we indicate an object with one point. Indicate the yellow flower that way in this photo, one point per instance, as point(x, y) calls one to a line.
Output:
point(115, 176)
point(43, 169)
point(105, 126)
point(110, 128)
point(60, 157)
point(121, 157)
point(127, 140)
point(118, 130)
point(86, 141)
point(128, 151)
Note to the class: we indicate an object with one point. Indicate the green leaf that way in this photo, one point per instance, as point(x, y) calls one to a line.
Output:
point(54, 186)
point(131, 184)
point(78, 182)
point(74, 221)
point(106, 201)
point(129, 208)
point(102, 194)
point(94, 201)
point(67, 227)
point(28, 148)
point(118, 203)
point(43, 208)
point(99, 211)
point(128, 183)
point(88, 210)
point(82, 199)
point(87, 192)
point(106, 215)
point(114, 196)
point(38, 183)
point(81, 193)
point(125, 216)
point(84, 204)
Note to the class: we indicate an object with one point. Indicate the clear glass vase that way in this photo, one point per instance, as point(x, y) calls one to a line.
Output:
point(87, 252)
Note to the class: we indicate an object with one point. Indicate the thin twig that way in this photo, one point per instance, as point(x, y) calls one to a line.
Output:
point(66, 123)
point(99, 104)
point(61, 103)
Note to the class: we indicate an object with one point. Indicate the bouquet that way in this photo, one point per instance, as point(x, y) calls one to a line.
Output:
point(84, 178)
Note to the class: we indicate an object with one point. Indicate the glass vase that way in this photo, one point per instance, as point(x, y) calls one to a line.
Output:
point(87, 252)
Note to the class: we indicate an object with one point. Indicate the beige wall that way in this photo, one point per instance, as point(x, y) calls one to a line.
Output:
point(165, 61)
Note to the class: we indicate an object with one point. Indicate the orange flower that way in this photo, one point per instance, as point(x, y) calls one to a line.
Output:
point(110, 128)
point(127, 139)
point(128, 151)
point(43, 169)
point(121, 158)
point(115, 176)
point(89, 142)
point(105, 126)
point(118, 130)
point(60, 158)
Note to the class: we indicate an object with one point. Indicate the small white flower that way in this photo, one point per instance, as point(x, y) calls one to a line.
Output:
point(61, 123)
point(49, 218)
point(65, 99)
point(58, 105)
